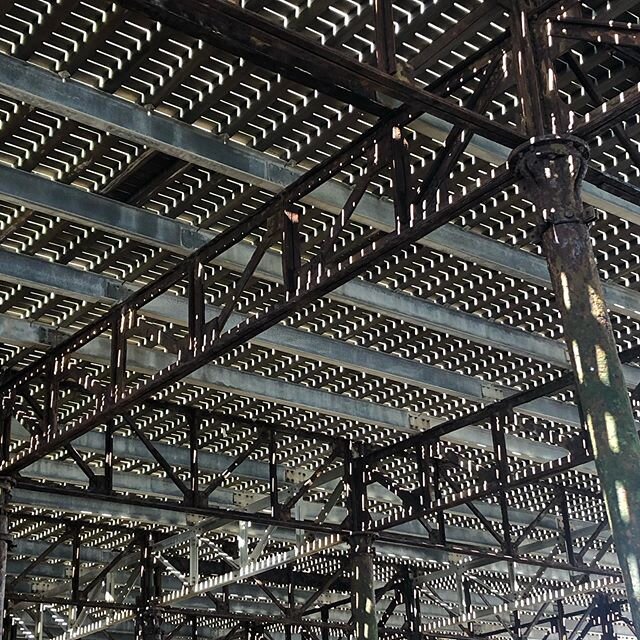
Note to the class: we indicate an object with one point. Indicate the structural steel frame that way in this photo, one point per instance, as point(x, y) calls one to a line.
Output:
point(57, 402)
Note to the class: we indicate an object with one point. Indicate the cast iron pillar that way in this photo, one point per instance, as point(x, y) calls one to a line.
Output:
point(5, 543)
point(363, 594)
point(148, 623)
point(552, 168)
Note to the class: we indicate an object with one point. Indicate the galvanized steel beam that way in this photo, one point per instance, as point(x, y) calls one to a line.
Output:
point(95, 108)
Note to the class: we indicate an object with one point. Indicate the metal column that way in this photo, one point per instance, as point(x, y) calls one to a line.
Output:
point(552, 166)
point(5, 542)
point(363, 595)
point(148, 622)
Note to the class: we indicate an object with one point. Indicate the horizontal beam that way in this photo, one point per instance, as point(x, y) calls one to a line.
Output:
point(67, 281)
point(222, 378)
point(177, 456)
point(266, 43)
point(456, 535)
point(29, 190)
point(142, 484)
point(126, 482)
point(207, 585)
point(94, 108)
point(240, 591)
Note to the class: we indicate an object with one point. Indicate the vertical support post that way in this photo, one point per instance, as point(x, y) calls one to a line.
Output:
point(291, 259)
point(194, 558)
point(423, 490)
point(411, 606)
point(109, 587)
point(74, 609)
point(566, 528)
point(604, 616)
point(401, 175)
point(273, 474)
point(385, 41)
point(243, 542)
point(148, 623)
point(437, 495)
point(527, 79)
point(195, 496)
point(363, 595)
point(5, 543)
point(324, 617)
point(502, 476)
point(157, 581)
point(560, 621)
point(40, 623)
point(196, 307)
point(385, 35)
point(6, 416)
point(118, 355)
point(9, 631)
point(108, 457)
point(51, 397)
point(466, 603)
point(552, 167)
point(291, 603)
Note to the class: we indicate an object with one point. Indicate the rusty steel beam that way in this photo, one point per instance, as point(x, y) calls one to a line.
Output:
point(317, 279)
point(251, 36)
point(623, 34)
point(5, 541)
point(606, 116)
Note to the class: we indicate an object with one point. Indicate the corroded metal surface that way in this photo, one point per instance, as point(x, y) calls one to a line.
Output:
point(159, 138)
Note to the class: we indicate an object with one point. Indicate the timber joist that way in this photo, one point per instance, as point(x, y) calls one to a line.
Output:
point(271, 293)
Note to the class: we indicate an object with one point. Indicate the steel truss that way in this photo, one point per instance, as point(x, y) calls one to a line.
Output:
point(547, 562)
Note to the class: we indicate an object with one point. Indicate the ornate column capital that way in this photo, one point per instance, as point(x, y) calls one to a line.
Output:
point(362, 543)
point(553, 168)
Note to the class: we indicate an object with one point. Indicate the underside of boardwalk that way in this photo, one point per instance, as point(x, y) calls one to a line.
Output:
point(319, 320)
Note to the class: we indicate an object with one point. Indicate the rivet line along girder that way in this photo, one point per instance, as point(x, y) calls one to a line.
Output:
point(176, 138)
